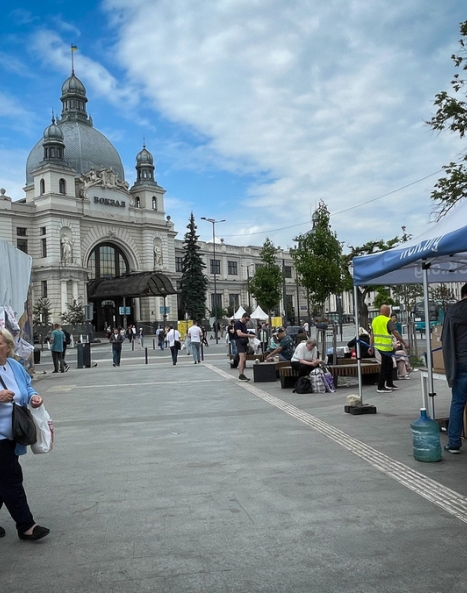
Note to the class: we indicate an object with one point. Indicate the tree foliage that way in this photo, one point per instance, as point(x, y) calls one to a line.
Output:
point(451, 114)
point(74, 315)
point(317, 260)
point(43, 308)
point(193, 283)
point(266, 284)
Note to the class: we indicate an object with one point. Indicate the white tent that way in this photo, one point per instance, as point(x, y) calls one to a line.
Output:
point(258, 313)
point(438, 255)
point(239, 313)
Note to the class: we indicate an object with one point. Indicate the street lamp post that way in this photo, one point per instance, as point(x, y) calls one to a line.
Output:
point(213, 222)
point(248, 266)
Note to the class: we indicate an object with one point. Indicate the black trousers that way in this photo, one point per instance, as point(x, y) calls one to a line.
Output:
point(385, 373)
point(303, 369)
point(12, 493)
point(174, 351)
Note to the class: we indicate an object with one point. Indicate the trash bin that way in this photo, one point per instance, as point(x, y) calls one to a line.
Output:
point(37, 356)
point(83, 352)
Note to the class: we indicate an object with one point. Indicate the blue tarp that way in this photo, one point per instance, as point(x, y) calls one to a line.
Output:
point(444, 245)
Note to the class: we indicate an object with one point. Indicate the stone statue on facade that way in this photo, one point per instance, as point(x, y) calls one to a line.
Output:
point(67, 250)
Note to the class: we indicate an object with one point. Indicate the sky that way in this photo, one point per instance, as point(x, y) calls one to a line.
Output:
point(254, 110)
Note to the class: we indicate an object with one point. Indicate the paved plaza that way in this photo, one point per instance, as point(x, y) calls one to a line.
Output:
point(183, 479)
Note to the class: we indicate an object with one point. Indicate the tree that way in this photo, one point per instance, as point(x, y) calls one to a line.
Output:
point(451, 114)
point(42, 311)
point(267, 281)
point(193, 282)
point(367, 249)
point(74, 314)
point(317, 260)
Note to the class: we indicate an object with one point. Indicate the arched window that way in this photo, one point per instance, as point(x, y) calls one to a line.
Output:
point(137, 202)
point(42, 184)
point(107, 261)
point(154, 203)
point(62, 186)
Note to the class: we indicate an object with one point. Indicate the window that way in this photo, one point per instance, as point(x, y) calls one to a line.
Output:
point(178, 264)
point(137, 202)
point(154, 203)
point(42, 187)
point(287, 271)
point(44, 289)
point(232, 268)
point(44, 247)
point(21, 232)
point(234, 301)
point(258, 266)
point(216, 303)
point(215, 266)
point(22, 245)
point(62, 186)
point(43, 230)
point(107, 261)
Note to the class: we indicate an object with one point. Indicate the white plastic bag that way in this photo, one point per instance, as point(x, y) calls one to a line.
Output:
point(45, 430)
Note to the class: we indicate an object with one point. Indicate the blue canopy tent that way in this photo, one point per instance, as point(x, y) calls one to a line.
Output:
point(437, 255)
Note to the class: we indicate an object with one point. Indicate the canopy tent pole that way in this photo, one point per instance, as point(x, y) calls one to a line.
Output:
point(357, 343)
point(429, 358)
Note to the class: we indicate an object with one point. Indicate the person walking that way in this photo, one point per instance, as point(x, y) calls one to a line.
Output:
point(243, 339)
point(382, 331)
point(195, 334)
point(160, 333)
point(173, 338)
point(454, 343)
point(232, 338)
point(116, 339)
point(57, 341)
point(15, 387)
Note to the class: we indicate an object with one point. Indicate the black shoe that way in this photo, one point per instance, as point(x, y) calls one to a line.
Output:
point(454, 450)
point(2, 532)
point(54, 372)
point(113, 364)
point(243, 378)
point(37, 533)
point(393, 387)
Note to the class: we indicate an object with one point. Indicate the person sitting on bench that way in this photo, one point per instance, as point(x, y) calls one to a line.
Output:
point(305, 358)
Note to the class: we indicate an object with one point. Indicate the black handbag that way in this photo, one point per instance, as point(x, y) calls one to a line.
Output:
point(22, 423)
point(23, 426)
point(178, 345)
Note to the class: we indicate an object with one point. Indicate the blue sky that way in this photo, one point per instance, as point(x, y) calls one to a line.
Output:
point(254, 110)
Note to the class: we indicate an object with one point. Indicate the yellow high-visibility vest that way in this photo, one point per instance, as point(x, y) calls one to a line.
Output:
point(382, 340)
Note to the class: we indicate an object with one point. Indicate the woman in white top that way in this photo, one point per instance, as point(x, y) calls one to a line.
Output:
point(173, 336)
point(196, 335)
point(305, 358)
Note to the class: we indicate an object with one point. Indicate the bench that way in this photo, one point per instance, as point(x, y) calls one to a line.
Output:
point(287, 375)
point(370, 371)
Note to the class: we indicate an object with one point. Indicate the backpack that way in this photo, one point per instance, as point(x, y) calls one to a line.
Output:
point(67, 338)
point(234, 362)
point(303, 385)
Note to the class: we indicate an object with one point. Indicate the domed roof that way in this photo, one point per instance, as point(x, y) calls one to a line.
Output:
point(85, 149)
point(73, 85)
point(53, 132)
point(144, 157)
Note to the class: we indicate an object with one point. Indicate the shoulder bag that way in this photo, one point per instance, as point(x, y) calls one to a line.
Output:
point(22, 425)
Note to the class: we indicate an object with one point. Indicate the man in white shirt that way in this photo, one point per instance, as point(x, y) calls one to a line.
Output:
point(173, 337)
point(305, 358)
point(196, 335)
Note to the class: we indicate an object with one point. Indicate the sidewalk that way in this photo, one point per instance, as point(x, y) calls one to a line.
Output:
point(184, 479)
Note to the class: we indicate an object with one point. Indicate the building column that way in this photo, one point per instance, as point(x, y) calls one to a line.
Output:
point(137, 310)
point(63, 295)
point(74, 290)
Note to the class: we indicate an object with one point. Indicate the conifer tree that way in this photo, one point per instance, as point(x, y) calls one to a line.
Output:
point(193, 283)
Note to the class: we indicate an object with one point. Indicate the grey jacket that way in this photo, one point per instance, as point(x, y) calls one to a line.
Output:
point(454, 339)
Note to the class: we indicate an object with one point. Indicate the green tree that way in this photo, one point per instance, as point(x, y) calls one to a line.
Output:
point(193, 283)
point(74, 314)
point(42, 310)
point(451, 114)
point(367, 249)
point(266, 283)
point(317, 260)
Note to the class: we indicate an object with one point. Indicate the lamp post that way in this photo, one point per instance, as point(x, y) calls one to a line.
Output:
point(213, 222)
point(248, 266)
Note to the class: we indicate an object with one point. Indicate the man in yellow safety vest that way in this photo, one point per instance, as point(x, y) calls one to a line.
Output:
point(382, 330)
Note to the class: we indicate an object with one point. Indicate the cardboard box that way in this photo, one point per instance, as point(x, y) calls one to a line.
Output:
point(436, 350)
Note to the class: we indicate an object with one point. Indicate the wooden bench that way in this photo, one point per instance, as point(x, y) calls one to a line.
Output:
point(369, 369)
point(287, 375)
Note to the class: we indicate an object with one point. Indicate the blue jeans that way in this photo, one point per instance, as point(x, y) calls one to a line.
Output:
point(459, 398)
point(233, 347)
point(195, 351)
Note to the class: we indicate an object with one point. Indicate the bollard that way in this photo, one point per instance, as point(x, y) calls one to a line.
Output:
point(133, 345)
point(202, 351)
point(146, 355)
point(153, 344)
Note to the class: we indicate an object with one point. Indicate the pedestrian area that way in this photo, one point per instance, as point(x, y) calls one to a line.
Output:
point(183, 479)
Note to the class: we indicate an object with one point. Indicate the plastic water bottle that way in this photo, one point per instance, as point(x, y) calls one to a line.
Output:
point(426, 443)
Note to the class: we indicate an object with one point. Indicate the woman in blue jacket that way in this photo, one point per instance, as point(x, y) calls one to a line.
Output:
point(16, 386)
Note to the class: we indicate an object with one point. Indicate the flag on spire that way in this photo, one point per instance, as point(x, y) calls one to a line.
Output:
point(74, 47)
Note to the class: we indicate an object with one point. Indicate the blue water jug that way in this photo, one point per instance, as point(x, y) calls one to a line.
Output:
point(426, 443)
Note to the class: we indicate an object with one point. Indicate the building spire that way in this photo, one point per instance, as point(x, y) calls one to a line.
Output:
point(73, 49)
